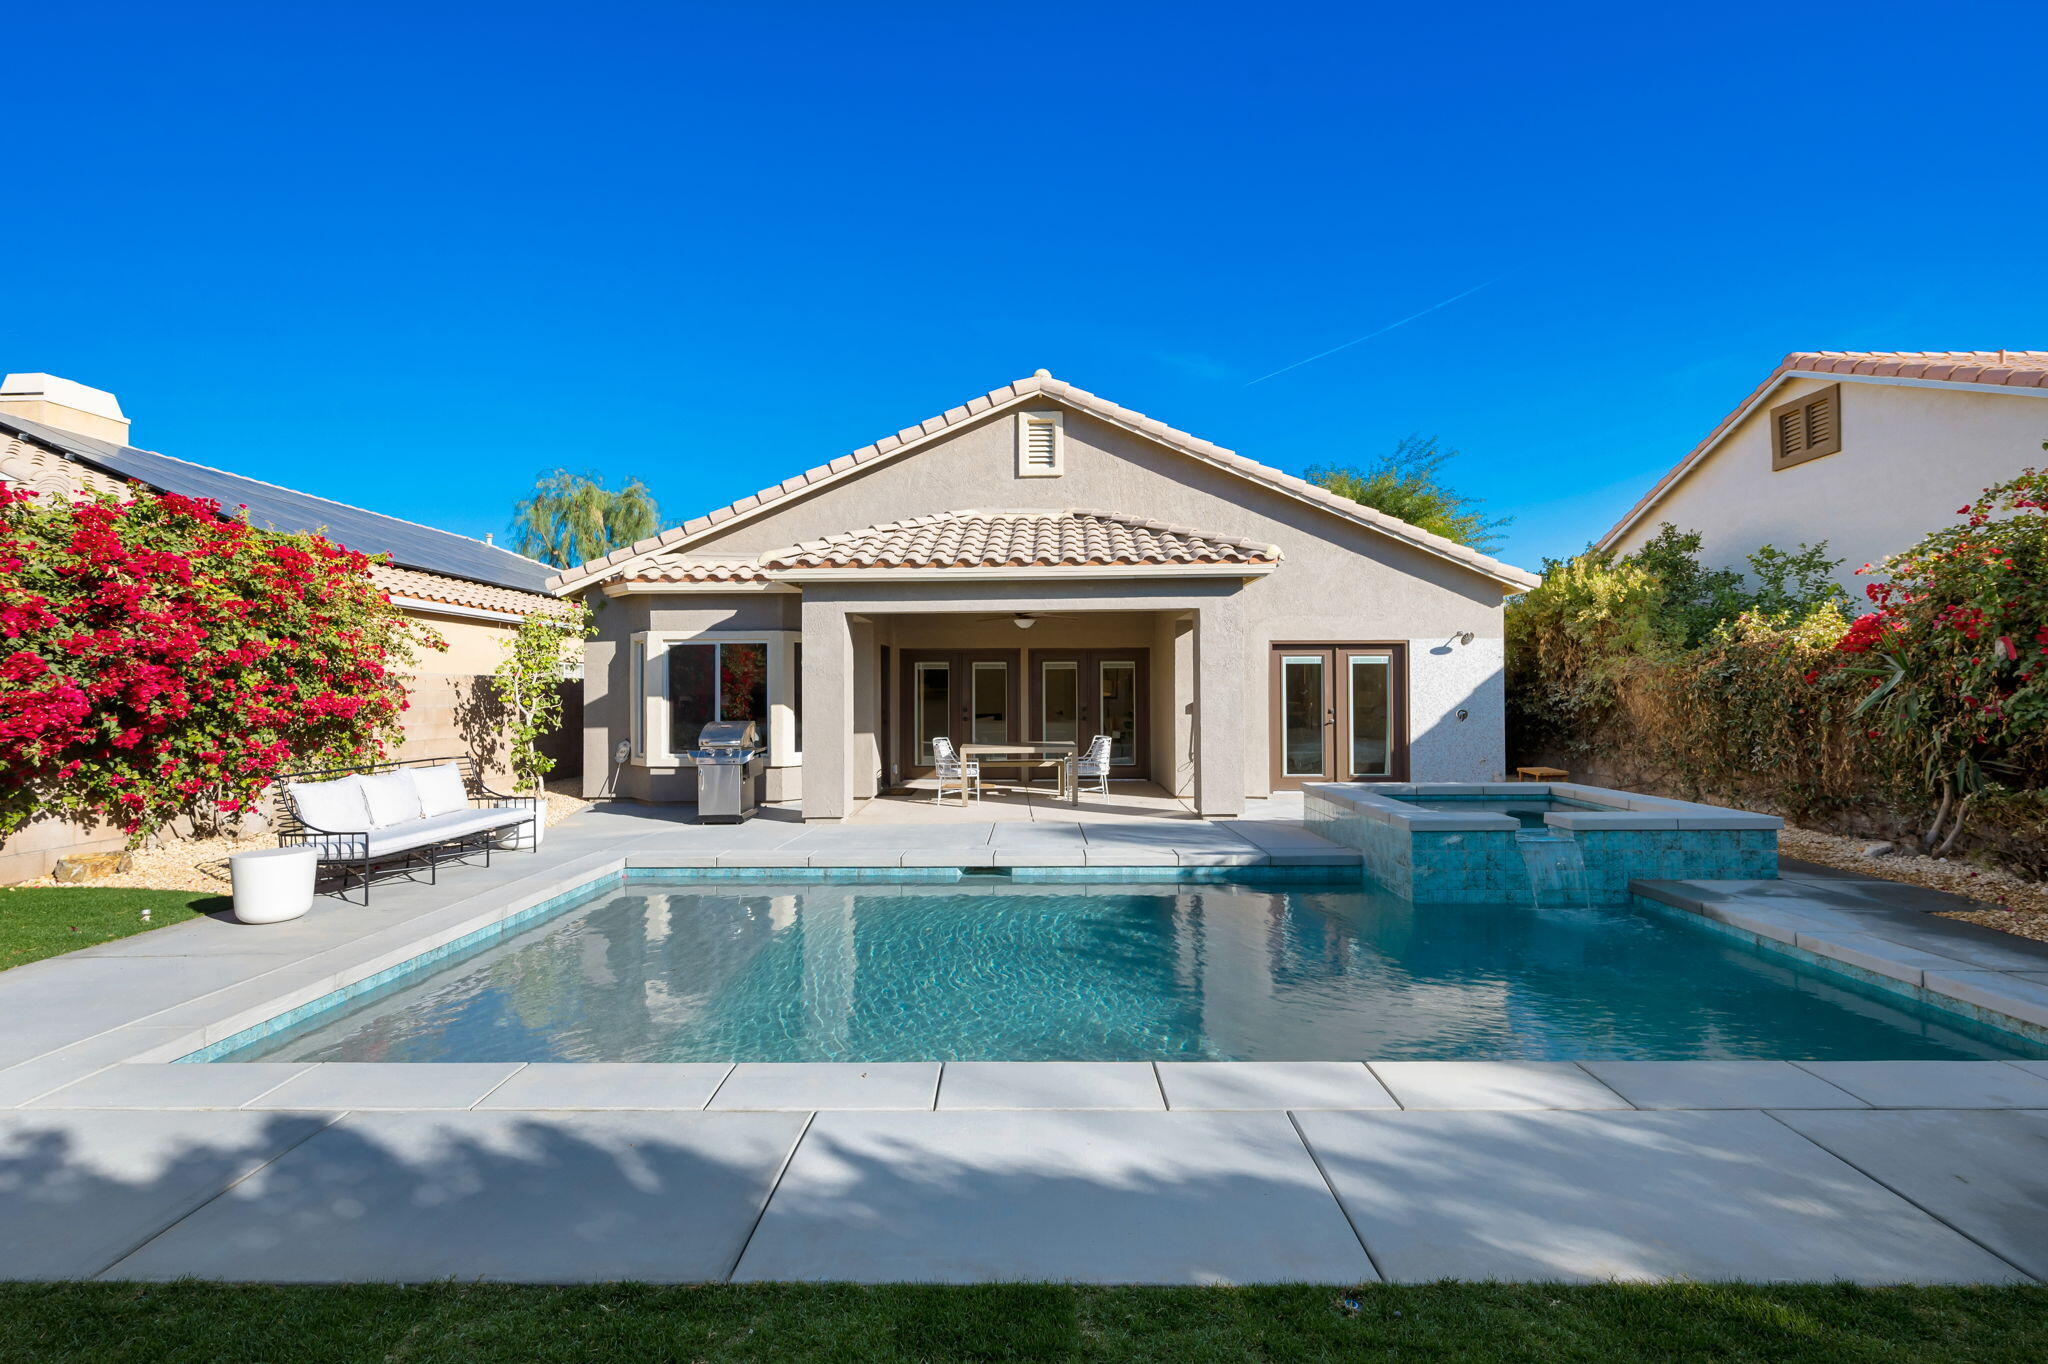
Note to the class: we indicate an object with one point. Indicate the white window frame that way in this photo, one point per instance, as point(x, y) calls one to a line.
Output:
point(1026, 421)
point(649, 703)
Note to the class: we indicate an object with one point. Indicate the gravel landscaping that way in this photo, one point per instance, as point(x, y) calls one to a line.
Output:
point(2012, 904)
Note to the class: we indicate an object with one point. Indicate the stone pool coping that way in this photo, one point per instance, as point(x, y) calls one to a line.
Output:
point(1882, 933)
point(1619, 810)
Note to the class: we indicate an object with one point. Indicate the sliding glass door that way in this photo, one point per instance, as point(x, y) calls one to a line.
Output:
point(1338, 713)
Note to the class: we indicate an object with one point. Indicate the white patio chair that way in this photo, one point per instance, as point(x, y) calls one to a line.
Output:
point(1094, 763)
point(949, 767)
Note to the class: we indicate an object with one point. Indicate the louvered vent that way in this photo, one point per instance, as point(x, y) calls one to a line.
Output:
point(1807, 428)
point(1040, 441)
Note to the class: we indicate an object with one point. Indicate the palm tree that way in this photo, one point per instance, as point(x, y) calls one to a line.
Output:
point(573, 518)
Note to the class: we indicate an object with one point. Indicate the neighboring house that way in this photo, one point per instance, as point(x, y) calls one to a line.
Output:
point(1040, 563)
point(61, 437)
point(1867, 450)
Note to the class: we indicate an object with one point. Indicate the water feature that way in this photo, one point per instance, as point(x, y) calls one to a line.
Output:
point(1556, 866)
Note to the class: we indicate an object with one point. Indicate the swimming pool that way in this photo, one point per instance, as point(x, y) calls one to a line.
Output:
point(989, 969)
point(1528, 811)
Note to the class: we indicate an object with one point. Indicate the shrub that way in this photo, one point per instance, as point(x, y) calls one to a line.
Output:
point(1951, 667)
point(159, 659)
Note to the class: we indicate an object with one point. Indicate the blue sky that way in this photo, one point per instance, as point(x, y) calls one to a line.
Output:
point(411, 256)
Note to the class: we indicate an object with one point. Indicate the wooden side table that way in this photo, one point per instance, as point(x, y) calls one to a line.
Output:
point(1541, 774)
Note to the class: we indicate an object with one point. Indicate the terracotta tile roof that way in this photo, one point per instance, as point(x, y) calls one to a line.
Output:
point(2011, 368)
point(439, 587)
point(1010, 395)
point(1020, 539)
point(699, 571)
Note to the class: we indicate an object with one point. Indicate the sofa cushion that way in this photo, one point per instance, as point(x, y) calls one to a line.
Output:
point(393, 798)
point(421, 833)
point(441, 789)
point(337, 806)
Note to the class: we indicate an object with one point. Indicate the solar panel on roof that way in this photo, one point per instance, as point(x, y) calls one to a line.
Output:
point(281, 509)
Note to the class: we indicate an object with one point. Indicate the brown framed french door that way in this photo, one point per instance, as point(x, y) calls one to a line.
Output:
point(1338, 712)
point(1076, 694)
point(968, 696)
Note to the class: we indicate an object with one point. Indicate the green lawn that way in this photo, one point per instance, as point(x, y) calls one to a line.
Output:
point(44, 921)
point(207, 1324)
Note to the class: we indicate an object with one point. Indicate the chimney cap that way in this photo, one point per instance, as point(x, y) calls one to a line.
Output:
point(51, 389)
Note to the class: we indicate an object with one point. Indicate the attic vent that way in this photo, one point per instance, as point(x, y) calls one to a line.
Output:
point(1807, 428)
point(1041, 445)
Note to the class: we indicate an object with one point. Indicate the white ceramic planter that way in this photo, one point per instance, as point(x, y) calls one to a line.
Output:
point(527, 837)
point(272, 884)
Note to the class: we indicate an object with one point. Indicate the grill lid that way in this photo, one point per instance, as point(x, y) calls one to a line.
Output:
point(729, 734)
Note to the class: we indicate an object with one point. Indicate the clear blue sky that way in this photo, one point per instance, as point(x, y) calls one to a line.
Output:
point(408, 256)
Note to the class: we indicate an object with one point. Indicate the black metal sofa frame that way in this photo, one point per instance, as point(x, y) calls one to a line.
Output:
point(348, 851)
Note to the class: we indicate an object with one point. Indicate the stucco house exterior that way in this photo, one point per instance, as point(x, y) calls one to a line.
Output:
point(1867, 450)
point(62, 437)
point(1041, 563)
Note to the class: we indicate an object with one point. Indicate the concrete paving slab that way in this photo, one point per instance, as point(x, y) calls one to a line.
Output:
point(78, 1190)
point(805, 1085)
point(168, 1085)
point(507, 1197)
point(1494, 1084)
point(1983, 1172)
point(1629, 1196)
point(32, 1079)
point(53, 1003)
point(1719, 1084)
point(1934, 1084)
point(1178, 1198)
point(685, 1085)
point(2016, 994)
point(1049, 1084)
point(1876, 953)
point(388, 1084)
point(1271, 1084)
point(961, 856)
point(1224, 859)
point(1959, 943)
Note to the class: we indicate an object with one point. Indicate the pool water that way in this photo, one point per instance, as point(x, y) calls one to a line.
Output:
point(1527, 810)
point(1001, 971)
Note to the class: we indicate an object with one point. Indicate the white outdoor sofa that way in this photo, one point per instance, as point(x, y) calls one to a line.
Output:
point(400, 817)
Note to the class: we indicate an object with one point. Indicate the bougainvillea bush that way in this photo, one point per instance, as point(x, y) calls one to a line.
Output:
point(1952, 661)
point(158, 658)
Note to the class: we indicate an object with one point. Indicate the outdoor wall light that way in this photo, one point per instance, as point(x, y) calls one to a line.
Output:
point(1022, 621)
point(1465, 638)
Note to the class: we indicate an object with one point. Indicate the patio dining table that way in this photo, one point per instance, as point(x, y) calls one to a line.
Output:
point(1025, 758)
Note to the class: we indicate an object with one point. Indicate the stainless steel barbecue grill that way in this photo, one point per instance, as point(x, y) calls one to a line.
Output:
point(729, 760)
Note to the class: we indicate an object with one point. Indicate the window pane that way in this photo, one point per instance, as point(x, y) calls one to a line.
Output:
point(1059, 702)
point(692, 699)
point(1372, 718)
point(743, 685)
point(1120, 712)
point(932, 697)
point(991, 704)
point(1301, 717)
point(637, 690)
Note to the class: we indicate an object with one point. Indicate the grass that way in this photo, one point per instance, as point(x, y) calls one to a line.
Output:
point(789, 1324)
point(46, 921)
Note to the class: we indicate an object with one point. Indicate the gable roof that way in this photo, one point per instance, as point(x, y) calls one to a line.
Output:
point(1020, 539)
point(409, 544)
point(1988, 371)
point(1041, 385)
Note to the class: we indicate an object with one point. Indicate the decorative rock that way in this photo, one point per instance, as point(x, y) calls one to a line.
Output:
point(1876, 850)
point(91, 866)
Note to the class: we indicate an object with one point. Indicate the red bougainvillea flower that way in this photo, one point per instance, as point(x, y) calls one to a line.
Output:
point(142, 675)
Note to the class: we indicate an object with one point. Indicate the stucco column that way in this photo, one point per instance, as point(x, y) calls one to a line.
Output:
point(1221, 695)
point(828, 711)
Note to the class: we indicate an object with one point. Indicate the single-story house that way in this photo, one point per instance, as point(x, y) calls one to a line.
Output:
point(1042, 564)
point(1867, 450)
point(63, 438)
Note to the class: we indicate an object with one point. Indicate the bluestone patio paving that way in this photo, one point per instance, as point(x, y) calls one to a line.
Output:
point(1494, 1084)
point(805, 1085)
point(1978, 1171)
point(601, 1085)
point(1935, 1084)
point(1049, 1084)
point(1596, 1196)
point(1719, 1084)
point(514, 1197)
point(1086, 1197)
point(1271, 1084)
